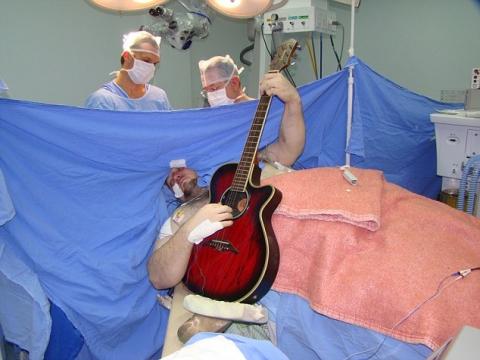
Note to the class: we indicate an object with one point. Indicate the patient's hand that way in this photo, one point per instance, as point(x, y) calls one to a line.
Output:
point(277, 84)
point(209, 219)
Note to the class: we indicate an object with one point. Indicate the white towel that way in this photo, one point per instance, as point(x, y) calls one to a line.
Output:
point(218, 347)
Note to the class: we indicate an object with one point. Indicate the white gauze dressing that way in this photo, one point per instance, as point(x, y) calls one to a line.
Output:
point(177, 191)
point(202, 230)
point(226, 310)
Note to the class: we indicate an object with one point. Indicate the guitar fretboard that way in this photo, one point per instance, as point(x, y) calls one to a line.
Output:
point(245, 166)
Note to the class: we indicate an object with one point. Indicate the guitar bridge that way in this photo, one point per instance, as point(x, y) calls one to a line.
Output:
point(222, 245)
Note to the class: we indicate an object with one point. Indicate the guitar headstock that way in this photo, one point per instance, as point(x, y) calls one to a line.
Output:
point(283, 55)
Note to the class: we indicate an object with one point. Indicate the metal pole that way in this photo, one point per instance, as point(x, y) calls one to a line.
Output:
point(350, 84)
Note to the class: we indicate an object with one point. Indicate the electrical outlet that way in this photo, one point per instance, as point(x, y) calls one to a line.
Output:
point(331, 18)
point(476, 78)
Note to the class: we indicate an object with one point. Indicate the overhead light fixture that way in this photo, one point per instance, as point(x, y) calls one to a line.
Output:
point(241, 8)
point(127, 5)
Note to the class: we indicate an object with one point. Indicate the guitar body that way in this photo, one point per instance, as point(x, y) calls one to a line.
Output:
point(240, 262)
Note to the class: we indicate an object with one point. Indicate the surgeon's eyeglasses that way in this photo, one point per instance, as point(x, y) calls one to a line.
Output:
point(204, 93)
point(213, 87)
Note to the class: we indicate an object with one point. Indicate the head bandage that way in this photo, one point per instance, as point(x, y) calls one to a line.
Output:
point(217, 69)
point(133, 42)
point(178, 163)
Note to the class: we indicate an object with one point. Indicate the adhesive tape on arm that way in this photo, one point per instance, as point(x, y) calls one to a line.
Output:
point(202, 230)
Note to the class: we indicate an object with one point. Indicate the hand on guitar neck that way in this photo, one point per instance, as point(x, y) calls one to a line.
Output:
point(274, 83)
point(292, 131)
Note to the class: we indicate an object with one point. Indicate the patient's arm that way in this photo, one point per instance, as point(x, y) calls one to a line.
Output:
point(292, 131)
point(168, 263)
point(169, 260)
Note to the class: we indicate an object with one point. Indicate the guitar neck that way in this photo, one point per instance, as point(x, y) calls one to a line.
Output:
point(245, 166)
point(244, 170)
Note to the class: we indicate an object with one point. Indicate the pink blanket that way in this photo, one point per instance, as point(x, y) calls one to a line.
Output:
point(369, 254)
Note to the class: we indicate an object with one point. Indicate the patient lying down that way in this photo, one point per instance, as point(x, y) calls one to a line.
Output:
point(194, 220)
point(368, 254)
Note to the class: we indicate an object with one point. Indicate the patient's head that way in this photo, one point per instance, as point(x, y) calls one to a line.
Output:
point(183, 182)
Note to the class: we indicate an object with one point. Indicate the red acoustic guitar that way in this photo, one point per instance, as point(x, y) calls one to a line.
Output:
point(240, 262)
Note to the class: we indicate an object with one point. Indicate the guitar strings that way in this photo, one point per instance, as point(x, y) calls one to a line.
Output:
point(234, 196)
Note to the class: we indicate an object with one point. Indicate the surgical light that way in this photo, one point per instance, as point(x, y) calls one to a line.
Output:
point(127, 5)
point(179, 29)
point(240, 8)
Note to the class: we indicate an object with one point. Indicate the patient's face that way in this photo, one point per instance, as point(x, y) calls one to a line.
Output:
point(185, 178)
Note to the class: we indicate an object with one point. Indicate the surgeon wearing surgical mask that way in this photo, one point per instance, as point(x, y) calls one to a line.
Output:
point(221, 86)
point(221, 82)
point(131, 89)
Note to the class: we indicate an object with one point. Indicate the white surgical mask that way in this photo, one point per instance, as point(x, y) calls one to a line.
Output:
point(141, 72)
point(219, 97)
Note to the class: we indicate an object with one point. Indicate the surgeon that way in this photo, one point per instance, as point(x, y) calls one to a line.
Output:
point(130, 90)
point(221, 85)
point(220, 79)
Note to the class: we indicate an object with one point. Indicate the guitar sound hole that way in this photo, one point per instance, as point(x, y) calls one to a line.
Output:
point(237, 200)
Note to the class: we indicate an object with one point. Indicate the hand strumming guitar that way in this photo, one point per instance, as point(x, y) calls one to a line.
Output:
point(206, 221)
